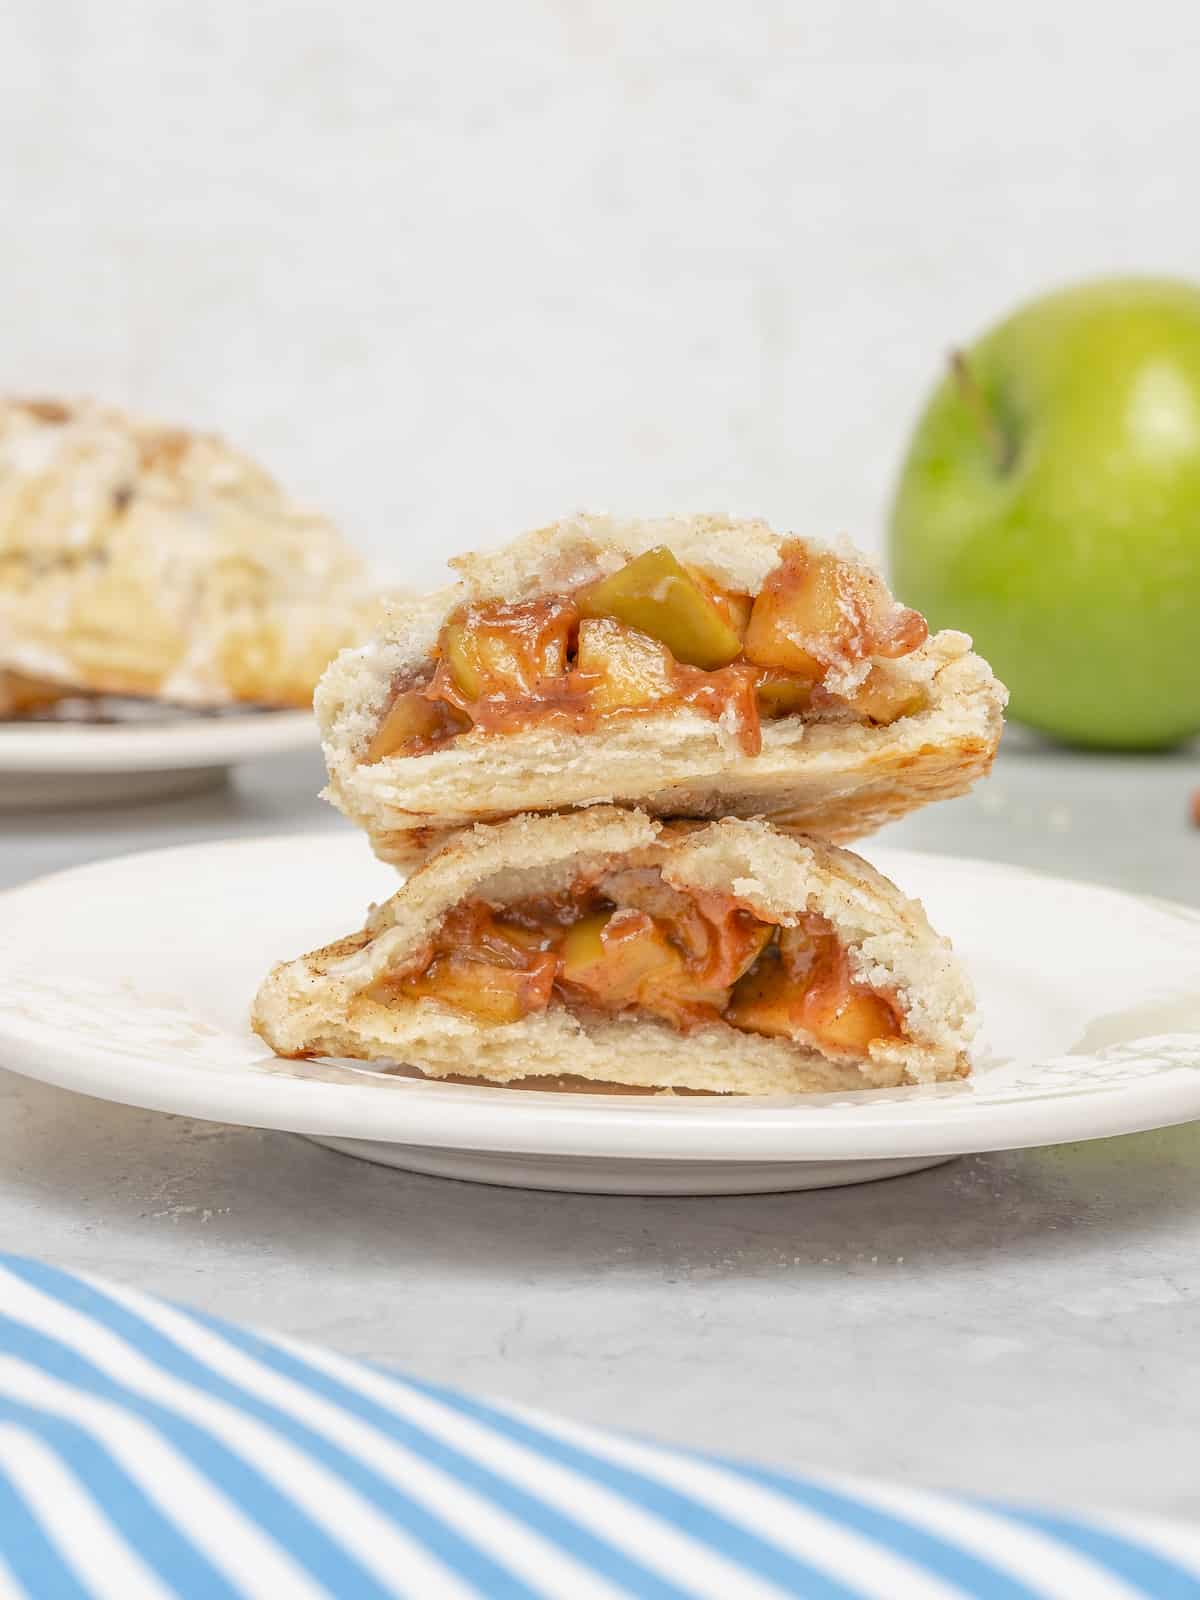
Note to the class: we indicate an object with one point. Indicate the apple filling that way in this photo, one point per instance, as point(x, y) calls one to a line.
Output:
point(630, 942)
point(816, 640)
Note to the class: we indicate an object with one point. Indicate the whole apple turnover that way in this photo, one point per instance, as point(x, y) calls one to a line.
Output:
point(146, 561)
point(724, 957)
point(691, 666)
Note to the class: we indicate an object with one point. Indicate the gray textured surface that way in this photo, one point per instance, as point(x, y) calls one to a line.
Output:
point(1021, 1323)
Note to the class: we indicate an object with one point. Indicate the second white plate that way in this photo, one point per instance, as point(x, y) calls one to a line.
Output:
point(131, 980)
point(77, 764)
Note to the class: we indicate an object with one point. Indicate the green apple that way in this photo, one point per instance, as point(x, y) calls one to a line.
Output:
point(1050, 506)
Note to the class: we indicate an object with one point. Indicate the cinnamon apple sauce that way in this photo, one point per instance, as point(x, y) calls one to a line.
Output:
point(626, 941)
point(816, 641)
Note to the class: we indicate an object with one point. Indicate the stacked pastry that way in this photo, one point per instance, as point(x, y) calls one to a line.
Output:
point(618, 760)
point(143, 561)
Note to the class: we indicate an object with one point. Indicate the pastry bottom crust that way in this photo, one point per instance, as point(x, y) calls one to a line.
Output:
point(629, 1052)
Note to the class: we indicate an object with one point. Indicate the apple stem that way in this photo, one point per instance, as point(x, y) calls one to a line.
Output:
point(999, 445)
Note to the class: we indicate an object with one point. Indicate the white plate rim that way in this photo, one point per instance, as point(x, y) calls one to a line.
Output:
point(51, 747)
point(449, 1116)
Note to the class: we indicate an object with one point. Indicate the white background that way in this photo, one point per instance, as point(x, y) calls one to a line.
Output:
point(452, 269)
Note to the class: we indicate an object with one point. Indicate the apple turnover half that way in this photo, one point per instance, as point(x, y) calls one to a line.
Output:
point(140, 560)
point(691, 666)
point(725, 957)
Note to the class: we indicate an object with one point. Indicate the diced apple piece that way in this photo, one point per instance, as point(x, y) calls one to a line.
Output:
point(809, 992)
point(613, 964)
point(837, 1011)
point(766, 1001)
point(722, 940)
point(657, 595)
point(848, 1017)
point(782, 694)
point(583, 948)
point(458, 648)
point(740, 940)
point(805, 946)
point(624, 958)
point(896, 630)
point(509, 942)
point(815, 609)
point(801, 621)
point(412, 724)
point(583, 958)
point(474, 930)
point(492, 994)
point(623, 667)
point(733, 606)
point(501, 650)
point(738, 608)
point(884, 698)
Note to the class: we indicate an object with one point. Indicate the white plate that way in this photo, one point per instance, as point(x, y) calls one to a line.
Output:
point(72, 764)
point(131, 979)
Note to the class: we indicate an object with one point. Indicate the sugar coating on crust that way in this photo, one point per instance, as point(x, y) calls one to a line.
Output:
point(315, 1005)
point(836, 780)
point(144, 560)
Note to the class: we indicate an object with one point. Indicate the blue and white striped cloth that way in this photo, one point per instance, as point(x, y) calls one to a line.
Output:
point(149, 1452)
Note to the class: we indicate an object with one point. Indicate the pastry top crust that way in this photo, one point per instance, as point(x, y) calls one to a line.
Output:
point(140, 559)
point(778, 877)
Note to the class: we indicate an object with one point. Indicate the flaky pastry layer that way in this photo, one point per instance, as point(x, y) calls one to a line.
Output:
point(142, 560)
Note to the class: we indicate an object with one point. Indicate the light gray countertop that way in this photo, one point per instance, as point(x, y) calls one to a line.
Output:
point(1023, 1323)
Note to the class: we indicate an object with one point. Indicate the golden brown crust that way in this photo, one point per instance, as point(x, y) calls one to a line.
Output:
point(141, 560)
point(316, 1005)
point(837, 780)
point(21, 695)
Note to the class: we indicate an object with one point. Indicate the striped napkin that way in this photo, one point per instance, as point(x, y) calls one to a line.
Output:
point(148, 1452)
